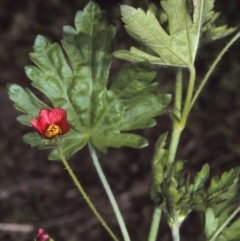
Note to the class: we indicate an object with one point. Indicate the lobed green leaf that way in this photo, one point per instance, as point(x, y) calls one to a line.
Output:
point(77, 80)
point(176, 45)
point(25, 101)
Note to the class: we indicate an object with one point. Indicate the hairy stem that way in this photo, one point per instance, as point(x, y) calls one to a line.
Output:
point(81, 190)
point(109, 193)
point(155, 224)
point(216, 61)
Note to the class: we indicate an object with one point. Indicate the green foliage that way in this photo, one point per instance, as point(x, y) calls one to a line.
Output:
point(211, 222)
point(178, 196)
point(175, 45)
point(159, 168)
point(201, 178)
point(171, 34)
point(25, 101)
point(210, 31)
point(225, 181)
point(78, 84)
point(216, 217)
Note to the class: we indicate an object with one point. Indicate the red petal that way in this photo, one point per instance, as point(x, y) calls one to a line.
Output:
point(42, 236)
point(34, 123)
point(47, 117)
point(44, 114)
point(65, 126)
point(57, 115)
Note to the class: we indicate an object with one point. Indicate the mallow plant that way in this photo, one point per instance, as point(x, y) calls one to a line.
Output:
point(86, 110)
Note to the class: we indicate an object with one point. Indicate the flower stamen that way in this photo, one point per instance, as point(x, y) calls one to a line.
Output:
point(53, 130)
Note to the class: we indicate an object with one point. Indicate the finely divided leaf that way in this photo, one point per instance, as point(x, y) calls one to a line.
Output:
point(176, 45)
point(78, 84)
point(210, 31)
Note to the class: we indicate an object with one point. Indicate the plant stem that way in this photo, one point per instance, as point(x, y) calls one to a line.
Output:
point(81, 190)
point(109, 193)
point(178, 94)
point(175, 231)
point(187, 104)
point(155, 224)
point(220, 229)
point(176, 133)
point(178, 126)
point(216, 61)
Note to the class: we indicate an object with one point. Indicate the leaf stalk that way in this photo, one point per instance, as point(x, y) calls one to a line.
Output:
point(109, 193)
point(211, 69)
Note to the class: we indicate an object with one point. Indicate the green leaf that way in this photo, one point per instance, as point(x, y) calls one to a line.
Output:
point(77, 81)
point(230, 197)
point(70, 144)
point(178, 170)
point(174, 195)
point(231, 233)
point(158, 167)
point(176, 45)
point(25, 101)
point(211, 222)
point(34, 140)
point(226, 180)
point(201, 178)
point(160, 159)
point(222, 211)
point(210, 31)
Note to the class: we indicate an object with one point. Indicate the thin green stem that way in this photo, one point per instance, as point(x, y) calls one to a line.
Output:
point(155, 224)
point(178, 94)
point(220, 229)
point(187, 104)
point(176, 133)
point(219, 57)
point(109, 193)
point(178, 126)
point(81, 190)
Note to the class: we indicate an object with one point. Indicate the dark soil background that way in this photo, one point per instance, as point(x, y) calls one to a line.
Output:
point(35, 192)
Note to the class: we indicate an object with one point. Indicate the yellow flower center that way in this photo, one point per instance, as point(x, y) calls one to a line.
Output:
point(53, 130)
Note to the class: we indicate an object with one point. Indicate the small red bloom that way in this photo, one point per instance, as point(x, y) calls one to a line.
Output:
point(51, 123)
point(42, 236)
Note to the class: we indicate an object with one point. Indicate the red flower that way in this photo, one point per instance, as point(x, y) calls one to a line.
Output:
point(42, 236)
point(51, 123)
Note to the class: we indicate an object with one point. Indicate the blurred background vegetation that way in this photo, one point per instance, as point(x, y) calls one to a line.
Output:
point(35, 192)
